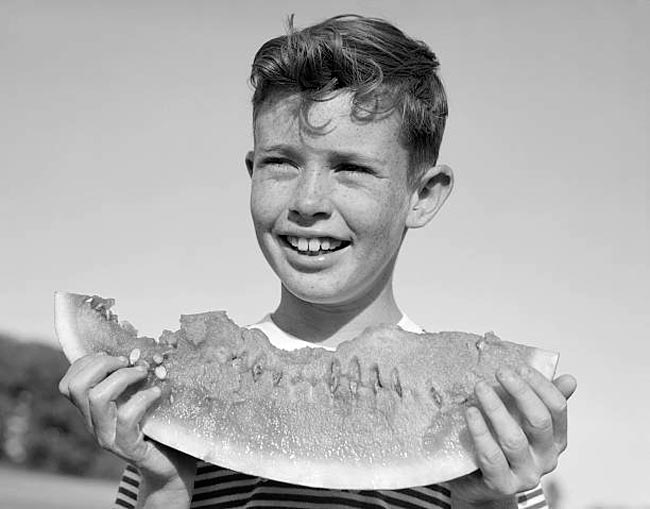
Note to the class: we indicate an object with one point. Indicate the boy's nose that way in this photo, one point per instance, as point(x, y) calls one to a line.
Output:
point(311, 197)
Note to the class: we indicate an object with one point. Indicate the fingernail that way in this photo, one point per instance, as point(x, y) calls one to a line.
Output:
point(524, 371)
point(505, 374)
point(482, 387)
point(473, 413)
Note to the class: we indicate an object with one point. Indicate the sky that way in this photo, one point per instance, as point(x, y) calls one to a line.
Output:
point(123, 130)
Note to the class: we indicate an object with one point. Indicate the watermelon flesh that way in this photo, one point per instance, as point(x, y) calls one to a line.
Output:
point(383, 411)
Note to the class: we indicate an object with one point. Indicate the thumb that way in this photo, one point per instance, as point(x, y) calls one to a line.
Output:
point(566, 384)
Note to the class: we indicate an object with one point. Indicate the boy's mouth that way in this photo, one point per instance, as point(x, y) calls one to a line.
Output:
point(314, 246)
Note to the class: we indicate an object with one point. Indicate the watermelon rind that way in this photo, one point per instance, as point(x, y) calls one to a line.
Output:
point(66, 306)
point(170, 428)
point(351, 476)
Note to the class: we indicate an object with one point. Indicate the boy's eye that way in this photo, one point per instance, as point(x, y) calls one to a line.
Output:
point(275, 161)
point(354, 169)
point(277, 164)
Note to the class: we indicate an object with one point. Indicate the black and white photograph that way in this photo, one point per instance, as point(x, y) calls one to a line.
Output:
point(344, 254)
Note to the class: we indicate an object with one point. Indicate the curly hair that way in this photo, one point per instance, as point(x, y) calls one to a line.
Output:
point(385, 70)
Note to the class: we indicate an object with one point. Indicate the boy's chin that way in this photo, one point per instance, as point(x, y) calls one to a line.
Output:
point(314, 295)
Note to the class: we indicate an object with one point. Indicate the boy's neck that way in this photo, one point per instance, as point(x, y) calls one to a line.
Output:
point(329, 325)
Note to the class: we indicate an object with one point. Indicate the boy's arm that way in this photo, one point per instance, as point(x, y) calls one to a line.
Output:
point(135, 493)
point(514, 452)
point(128, 489)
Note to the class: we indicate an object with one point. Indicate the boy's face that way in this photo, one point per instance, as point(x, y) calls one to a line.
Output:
point(329, 208)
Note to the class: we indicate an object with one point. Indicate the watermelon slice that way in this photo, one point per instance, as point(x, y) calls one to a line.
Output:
point(383, 411)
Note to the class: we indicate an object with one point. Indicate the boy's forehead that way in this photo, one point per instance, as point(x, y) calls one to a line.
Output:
point(292, 115)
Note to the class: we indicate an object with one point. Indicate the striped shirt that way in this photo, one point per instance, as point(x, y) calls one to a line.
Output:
point(217, 487)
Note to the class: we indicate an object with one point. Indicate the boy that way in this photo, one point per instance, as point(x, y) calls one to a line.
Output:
point(348, 119)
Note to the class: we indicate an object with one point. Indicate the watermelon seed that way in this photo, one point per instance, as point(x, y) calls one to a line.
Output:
point(160, 372)
point(237, 363)
point(157, 358)
point(437, 398)
point(397, 384)
point(375, 381)
point(335, 375)
point(354, 374)
point(257, 371)
point(134, 356)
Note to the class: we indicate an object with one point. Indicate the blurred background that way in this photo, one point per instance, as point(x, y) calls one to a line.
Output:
point(123, 129)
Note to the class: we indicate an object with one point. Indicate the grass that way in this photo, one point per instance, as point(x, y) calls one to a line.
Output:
point(24, 489)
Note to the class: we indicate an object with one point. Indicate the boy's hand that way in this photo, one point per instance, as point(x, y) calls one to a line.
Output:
point(96, 385)
point(514, 451)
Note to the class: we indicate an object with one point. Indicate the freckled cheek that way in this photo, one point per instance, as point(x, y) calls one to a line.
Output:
point(386, 225)
point(381, 228)
point(263, 210)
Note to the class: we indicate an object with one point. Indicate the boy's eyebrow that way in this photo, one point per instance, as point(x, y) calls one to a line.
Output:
point(281, 147)
point(334, 156)
point(356, 157)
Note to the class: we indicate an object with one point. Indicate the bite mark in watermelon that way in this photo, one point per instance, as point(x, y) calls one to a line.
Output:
point(383, 411)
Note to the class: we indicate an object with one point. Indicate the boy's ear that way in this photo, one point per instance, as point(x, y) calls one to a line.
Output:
point(429, 195)
point(249, 162)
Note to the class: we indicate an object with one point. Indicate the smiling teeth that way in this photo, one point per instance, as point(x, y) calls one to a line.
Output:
point(314, 245)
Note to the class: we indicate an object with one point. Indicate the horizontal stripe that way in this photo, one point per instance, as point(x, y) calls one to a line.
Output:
point(396, 499)
point(324, 498)
point(227, 485)
point(131, 481)
point(235, 488)
point(217, 478)
point(527, 495)
point(219, 503)
point(427, 494)
point(127, 493)
point(122, 503)
point(538, 505)
point(433, 487)
point(251, 504)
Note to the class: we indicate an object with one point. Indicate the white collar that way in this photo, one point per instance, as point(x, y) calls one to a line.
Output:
point(283, 340)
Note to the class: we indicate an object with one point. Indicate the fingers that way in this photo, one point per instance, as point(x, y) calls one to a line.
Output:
point(509, 436)
point(129, 436)
point(75, 367)
point(84, 374)
point(566, 384)
point(502, 448)
point(537, 420)
point(553, 399)
point(101, 401)
point(515, 448)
